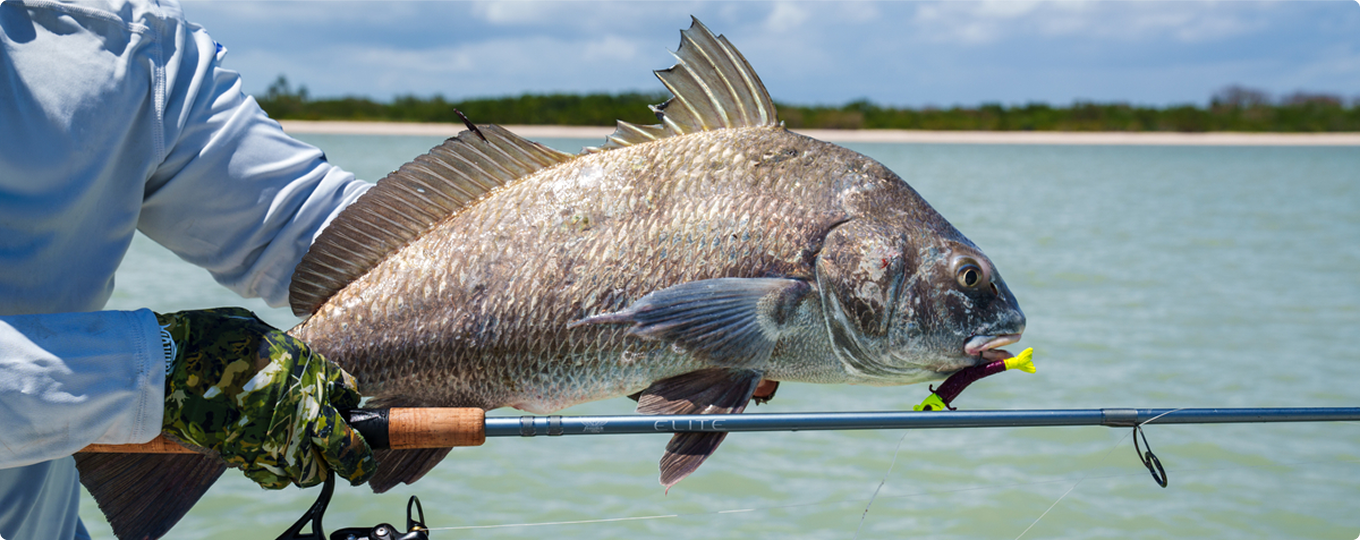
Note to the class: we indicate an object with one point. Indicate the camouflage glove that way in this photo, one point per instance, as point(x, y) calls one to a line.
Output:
point(260, 398)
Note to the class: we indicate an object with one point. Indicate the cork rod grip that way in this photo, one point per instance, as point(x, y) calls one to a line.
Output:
point(405, 428)
point(432, 428)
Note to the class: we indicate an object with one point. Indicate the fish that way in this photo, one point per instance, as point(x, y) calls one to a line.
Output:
point(692, 265)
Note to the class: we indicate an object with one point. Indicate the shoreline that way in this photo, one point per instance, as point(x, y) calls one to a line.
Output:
point(345, 127)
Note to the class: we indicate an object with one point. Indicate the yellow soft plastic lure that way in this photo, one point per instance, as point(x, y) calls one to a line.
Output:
point(939, 399)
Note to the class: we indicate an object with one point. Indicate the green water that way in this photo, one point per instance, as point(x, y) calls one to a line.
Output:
point(1151, 277)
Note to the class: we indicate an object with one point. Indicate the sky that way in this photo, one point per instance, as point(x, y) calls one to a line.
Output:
point(912, 54)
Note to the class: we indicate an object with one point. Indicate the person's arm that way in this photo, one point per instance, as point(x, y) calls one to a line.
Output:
point(240, 198)
point(235, 194)
point(69, 380)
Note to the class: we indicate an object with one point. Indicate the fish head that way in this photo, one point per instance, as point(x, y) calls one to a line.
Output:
point(906, 297)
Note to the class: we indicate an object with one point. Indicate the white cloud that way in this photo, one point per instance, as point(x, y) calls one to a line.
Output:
point(998, 20)
point(859, 11)
point(1003, 9)
point(538, 64)
point(577, 17)
point(506, 13)
point(319, 13)
point(785, 17)
point(610, 47)
point(806, 52)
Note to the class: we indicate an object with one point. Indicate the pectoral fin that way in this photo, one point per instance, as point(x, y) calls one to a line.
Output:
point(716, 390)
point(403, 466)
point(729, 321)
point(396, 466)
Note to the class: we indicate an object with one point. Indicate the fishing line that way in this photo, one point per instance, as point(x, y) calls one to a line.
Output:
point(894, 497)
point(746, 509)
point(880, 484)
point(566, 522)
point(1116, 445)
point(1069, 490)
point(1258, 467)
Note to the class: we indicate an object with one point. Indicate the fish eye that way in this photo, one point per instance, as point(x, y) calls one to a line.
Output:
point(969, 276)
point(968, 272)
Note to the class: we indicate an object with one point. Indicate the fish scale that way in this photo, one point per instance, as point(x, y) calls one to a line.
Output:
point(499, 331)
point(539, 329)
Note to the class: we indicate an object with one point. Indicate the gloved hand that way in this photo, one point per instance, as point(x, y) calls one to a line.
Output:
point(261, 399)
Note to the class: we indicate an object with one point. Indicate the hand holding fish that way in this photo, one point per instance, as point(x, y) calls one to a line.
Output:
point(261, 399)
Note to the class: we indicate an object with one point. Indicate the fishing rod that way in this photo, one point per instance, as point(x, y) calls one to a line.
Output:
point(430, 428)
point(420, 428)
point(434, 428)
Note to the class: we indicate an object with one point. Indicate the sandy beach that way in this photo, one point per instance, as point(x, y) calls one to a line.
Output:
point(875, 136)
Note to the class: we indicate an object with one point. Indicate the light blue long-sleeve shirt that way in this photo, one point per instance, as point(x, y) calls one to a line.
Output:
point(116, 116)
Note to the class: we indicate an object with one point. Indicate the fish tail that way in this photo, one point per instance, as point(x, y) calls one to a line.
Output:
point(144, 495)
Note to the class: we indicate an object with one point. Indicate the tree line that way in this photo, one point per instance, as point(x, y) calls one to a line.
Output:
point(1234, 108)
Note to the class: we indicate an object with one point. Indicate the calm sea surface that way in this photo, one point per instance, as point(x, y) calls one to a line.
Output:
point(1151, 277)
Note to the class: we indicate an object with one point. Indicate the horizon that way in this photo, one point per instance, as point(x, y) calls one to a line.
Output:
point(1268, 99)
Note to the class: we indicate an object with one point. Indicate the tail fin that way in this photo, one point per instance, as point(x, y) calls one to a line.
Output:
point(144, 495)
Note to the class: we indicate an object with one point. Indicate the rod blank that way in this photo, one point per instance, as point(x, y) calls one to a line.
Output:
point(416, 428)
point(556, 425)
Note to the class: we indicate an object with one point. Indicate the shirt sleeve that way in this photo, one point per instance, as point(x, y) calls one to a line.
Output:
point(235, 194)
point(225, 189)
point(68, 380)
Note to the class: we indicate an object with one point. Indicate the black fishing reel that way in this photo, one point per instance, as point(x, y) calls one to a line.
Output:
point(415, 529)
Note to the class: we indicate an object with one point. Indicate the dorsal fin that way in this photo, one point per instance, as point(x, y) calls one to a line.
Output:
point(408, 202)
point(714, 88)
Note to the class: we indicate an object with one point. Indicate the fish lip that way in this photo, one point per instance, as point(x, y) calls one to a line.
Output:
point(985, 345)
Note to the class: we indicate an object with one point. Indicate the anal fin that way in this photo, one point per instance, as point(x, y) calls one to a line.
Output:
point(685, 453)
point(711, 391)
point(144, 495)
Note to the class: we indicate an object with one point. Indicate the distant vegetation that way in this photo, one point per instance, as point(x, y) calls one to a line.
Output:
point(1234, 108)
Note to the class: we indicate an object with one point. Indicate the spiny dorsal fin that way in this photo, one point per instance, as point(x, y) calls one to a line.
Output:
point(714, 88)
point(410, 201)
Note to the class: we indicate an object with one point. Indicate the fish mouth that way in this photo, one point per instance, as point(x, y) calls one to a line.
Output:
point(985, 346)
